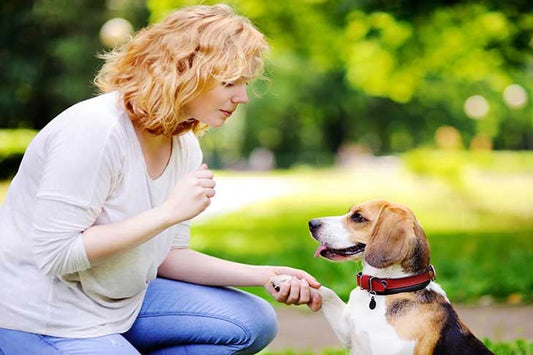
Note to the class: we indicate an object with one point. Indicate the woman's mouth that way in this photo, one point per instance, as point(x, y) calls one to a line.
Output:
point(226, 113)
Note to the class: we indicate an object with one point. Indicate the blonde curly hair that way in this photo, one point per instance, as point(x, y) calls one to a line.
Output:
point(166, 65)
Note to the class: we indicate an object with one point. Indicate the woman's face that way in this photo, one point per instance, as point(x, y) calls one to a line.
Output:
point(213, 107)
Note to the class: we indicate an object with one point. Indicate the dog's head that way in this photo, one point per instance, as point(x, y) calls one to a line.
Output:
point(381, 232)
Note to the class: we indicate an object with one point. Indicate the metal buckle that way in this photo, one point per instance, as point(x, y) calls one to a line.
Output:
point(370, 289)
point(432, 273)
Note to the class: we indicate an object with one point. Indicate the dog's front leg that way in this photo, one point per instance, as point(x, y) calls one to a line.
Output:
point(335, 312)
point(333, 307)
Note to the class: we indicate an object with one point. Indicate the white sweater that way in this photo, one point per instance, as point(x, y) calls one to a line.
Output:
point(84, 168)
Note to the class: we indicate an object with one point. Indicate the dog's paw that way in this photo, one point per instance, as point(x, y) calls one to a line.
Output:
point(278, 280)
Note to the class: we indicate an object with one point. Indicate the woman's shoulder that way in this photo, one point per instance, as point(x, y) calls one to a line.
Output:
point(86, 128)
point(93, 119)
point(101, 110)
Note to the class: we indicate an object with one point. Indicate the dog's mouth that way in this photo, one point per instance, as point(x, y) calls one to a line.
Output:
point(331, 253)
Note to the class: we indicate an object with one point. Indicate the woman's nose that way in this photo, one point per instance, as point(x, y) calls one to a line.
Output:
point(240, 96)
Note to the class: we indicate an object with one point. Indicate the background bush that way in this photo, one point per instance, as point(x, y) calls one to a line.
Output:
point(13, 143)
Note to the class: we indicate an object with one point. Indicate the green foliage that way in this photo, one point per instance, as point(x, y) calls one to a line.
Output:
point(384, 75)
point(13, 143)
point(48, 55)
point(380, 74)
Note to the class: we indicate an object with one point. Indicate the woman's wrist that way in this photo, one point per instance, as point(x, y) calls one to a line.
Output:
point(264, 273)
point(168, 215)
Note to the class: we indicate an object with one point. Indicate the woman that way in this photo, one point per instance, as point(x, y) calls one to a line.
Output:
point(100, 207)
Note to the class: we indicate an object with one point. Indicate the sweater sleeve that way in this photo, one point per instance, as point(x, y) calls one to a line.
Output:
point(77, 177)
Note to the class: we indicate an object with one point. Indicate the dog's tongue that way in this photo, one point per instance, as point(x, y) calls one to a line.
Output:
point(320, 248)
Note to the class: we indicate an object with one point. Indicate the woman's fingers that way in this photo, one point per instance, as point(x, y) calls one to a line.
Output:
point(207, 183)
point(309, 278)
point(316, 301)
point(294, 291)
point(305, 292)
point(210, 193)
point(283, 293)
point(204, 174)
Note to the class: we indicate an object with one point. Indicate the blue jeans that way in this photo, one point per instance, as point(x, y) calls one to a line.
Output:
point(176, 318)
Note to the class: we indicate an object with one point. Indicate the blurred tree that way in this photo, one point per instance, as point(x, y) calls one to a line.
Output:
point(48, 54)
point(385, 74)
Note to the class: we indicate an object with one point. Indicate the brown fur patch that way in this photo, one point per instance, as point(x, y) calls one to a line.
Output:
point(417, 316)
point(387, 244)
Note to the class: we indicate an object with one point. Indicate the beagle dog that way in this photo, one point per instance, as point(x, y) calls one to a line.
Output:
point(397, 307)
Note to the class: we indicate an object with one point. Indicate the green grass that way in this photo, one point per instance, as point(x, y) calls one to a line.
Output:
point(469, 263)
point(480, 235)
point(479, 223)
point(480, 230)
point(517, 347)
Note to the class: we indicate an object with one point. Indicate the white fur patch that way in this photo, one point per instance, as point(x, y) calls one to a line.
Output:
point(333, 233)
point(371, 333)
point(433, 286)
point(391, 272)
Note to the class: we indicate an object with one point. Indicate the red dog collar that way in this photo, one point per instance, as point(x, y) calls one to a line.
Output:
point(378, 286)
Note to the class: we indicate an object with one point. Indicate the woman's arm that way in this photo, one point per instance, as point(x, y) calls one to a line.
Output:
point(191, 196)
point(191, 266)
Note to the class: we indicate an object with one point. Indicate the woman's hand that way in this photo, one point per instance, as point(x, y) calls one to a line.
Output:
point(299, 289)
point(191, 195)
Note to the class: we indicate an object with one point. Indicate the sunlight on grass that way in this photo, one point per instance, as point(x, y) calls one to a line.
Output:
point(481, 218)
point(3, 190)
point(438, 206)
point(469, 223)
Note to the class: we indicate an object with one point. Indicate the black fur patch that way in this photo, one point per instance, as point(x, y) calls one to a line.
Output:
point(417, 261)
point(456, 339)
point(428, 296)
point(399, 308)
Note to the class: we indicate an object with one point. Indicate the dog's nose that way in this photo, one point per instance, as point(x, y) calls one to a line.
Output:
point(314, 224)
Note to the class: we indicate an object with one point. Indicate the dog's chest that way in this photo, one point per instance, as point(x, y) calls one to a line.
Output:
point(371, 333)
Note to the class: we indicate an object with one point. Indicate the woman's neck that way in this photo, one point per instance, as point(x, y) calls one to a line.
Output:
point(156, 150)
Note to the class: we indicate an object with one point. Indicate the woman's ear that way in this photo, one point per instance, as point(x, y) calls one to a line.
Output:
point(388, 242)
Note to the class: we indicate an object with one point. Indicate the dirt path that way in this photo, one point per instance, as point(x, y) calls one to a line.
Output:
point(300, 329)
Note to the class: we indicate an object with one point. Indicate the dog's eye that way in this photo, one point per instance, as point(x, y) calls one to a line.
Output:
point(358, 218)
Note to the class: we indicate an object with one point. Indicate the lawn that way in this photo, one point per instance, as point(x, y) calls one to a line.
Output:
point(478, 218)
point(479, 223)
point(518, 347)
point(480, 230)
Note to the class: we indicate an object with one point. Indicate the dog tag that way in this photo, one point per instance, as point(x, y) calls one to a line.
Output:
point(372, 303)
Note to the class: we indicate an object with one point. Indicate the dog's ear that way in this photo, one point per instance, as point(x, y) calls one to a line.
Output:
point(417, 259)
point(388, 242)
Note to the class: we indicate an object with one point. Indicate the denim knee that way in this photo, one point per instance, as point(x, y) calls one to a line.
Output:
point(262, 325)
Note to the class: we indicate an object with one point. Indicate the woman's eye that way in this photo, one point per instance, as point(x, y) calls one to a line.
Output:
point(356, 217)
point(229, 84)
